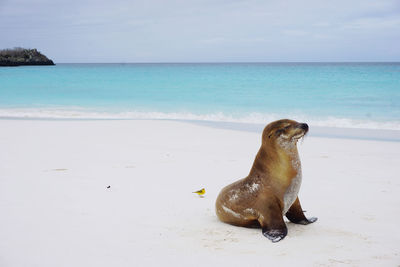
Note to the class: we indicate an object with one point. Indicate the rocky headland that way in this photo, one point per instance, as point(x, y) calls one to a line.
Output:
point(23, 57)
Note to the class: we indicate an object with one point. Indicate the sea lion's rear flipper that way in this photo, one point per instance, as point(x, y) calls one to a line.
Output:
point(272, 223)
point(296, 215)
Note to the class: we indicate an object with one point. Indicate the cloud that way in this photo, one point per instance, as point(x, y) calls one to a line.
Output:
point(203, 30)
point(374, 23)
point(295, 33)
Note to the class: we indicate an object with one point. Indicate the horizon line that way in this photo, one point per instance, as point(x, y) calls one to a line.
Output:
point(233, 62)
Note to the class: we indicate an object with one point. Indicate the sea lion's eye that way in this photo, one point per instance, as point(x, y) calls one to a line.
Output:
point(279, 132)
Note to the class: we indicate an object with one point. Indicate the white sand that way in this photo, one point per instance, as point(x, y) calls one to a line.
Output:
point(55, 209)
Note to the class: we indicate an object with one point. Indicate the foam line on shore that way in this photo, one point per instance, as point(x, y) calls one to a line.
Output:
point(253, 122)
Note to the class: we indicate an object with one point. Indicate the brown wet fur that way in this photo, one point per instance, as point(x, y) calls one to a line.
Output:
point(272, 170)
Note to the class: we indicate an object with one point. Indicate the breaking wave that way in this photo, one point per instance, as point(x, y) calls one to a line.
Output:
point(256, 118)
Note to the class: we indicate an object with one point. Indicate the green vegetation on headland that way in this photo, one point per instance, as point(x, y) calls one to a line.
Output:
point(23, 57)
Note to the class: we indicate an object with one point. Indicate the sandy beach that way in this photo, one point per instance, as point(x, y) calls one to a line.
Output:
point(57, 210)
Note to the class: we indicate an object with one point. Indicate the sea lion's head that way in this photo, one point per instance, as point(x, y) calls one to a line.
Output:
point(284, 132)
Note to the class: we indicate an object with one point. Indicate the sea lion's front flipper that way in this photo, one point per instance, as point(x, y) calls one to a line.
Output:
point(274, 235)
point(295, 214)
point(272, 223)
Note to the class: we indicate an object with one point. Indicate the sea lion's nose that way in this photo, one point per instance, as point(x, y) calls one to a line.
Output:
point(304, 126)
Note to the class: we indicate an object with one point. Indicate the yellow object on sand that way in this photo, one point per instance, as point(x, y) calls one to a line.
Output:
point(200, 192)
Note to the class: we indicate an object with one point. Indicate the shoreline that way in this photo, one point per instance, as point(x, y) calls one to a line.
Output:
point(315, 131)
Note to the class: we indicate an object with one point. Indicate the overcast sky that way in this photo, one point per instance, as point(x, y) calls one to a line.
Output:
point(204, 31)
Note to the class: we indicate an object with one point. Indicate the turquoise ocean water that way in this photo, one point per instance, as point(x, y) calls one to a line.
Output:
point(360, 95)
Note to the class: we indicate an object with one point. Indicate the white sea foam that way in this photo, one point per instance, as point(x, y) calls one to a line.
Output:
point(256, 118)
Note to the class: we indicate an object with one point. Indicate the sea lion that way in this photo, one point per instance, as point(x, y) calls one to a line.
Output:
point(270, 190)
